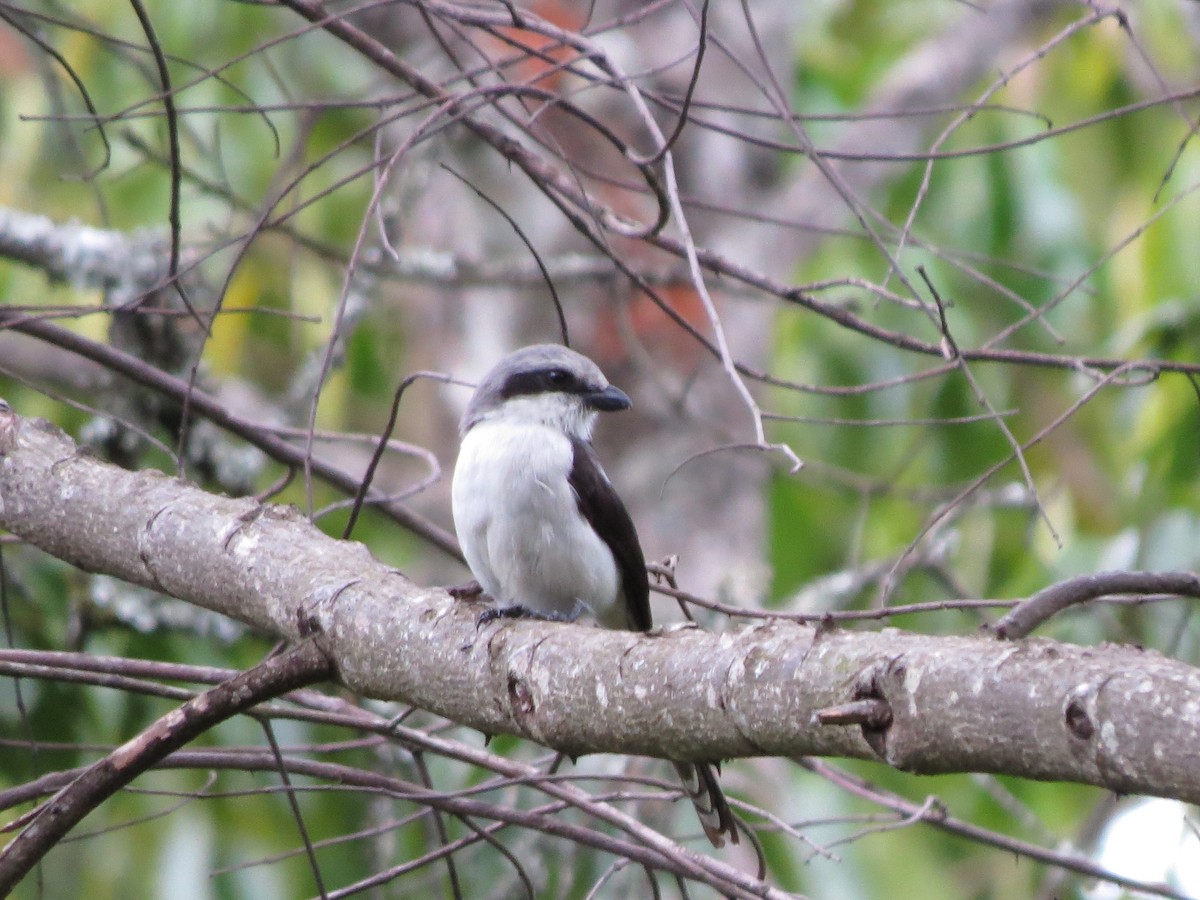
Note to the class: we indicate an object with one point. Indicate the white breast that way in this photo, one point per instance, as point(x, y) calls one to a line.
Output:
point(520, 528)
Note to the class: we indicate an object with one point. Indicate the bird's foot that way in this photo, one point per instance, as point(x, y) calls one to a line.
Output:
point(520, 612)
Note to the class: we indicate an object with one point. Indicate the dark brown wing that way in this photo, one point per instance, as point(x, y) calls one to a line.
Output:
point(600, 505)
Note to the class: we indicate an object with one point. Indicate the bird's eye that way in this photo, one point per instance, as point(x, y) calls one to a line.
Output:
point(558, 378)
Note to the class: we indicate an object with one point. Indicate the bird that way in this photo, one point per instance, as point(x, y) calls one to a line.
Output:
point(541, 527)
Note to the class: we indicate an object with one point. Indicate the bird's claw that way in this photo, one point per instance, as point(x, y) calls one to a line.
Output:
point(520, 612)
point(502, 612)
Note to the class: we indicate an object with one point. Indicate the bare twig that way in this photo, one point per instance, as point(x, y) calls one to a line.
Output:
point(302, 665)
point(1050, 601)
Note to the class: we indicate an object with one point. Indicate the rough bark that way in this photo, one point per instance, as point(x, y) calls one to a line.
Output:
point(1112, 716)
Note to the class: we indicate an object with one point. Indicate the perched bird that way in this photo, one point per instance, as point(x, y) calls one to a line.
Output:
point(541, 526)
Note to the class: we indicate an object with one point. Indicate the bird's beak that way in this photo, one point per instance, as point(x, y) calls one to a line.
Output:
point(608, 400)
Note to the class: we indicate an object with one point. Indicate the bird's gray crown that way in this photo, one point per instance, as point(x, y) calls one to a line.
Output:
point(540, 370)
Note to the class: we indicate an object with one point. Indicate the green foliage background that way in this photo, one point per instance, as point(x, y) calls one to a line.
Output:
point(1113, 204)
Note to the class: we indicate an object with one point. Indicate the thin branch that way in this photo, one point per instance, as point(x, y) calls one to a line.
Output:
point(520, 233)
point(152, 377)
point(294, 807)
point(168, 101)
point(304, 664)
point(935, 814)
point(1050, 601)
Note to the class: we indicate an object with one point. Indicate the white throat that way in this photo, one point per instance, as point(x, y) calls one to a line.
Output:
point(563, 412)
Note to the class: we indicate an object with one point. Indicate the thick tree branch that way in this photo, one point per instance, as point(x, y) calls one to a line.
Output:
point(181, 390)
point(1111, 716)
point(126, 265)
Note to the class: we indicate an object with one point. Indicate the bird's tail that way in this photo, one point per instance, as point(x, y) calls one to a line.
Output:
point(701, 786)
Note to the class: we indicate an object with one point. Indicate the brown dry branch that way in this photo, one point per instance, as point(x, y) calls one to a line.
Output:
point(1050, 601)
point(298, 666)
point(640, 843)
point(264, 438)
point(1112, 716)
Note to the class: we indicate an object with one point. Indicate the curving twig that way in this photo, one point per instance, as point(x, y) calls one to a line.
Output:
point(304, 664)
point(1050, 601)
